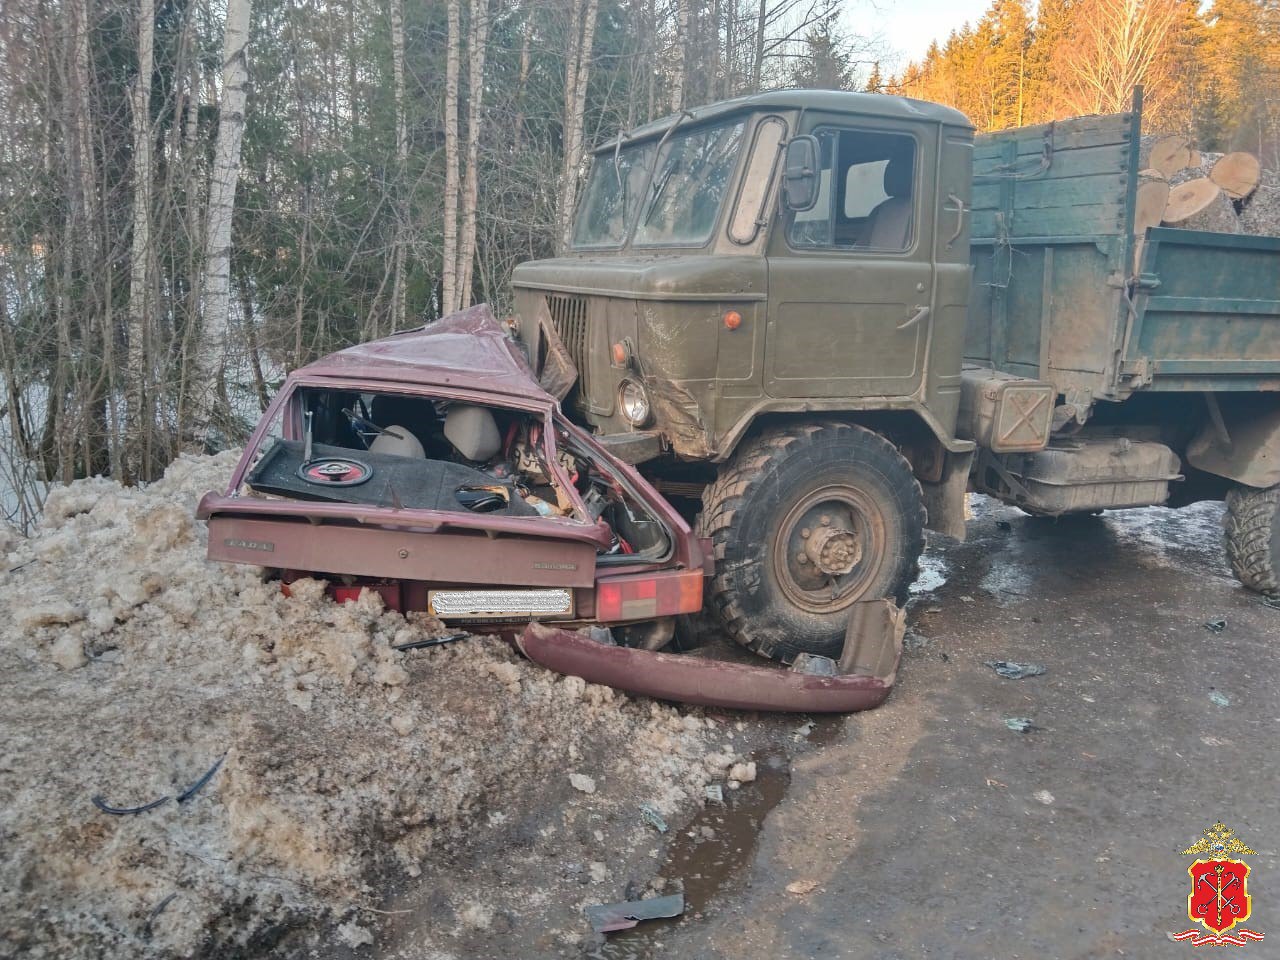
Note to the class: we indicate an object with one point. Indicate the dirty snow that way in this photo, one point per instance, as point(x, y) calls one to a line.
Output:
point(129, 664)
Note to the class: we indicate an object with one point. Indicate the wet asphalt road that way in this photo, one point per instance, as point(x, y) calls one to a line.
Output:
point(932, 830)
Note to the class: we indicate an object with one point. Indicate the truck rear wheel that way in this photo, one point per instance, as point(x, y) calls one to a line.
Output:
point(1253, 537)
point(805, 521)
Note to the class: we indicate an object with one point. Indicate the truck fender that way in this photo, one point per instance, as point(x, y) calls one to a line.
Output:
point(1243, 446)
point(945, 500)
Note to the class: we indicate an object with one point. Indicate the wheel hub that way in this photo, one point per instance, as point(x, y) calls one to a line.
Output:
point(834, 550)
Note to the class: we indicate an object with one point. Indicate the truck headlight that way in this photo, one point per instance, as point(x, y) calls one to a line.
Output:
point(634, 402)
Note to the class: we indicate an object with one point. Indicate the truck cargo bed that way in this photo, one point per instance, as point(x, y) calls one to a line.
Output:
point(1056, 295)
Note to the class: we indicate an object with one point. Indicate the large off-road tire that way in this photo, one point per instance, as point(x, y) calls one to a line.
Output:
point(806, 520)
point(1253, 537)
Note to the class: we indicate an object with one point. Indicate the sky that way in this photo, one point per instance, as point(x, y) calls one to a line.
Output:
point(907, 26)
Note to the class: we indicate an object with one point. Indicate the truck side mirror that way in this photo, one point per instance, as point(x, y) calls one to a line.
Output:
point(800, 174)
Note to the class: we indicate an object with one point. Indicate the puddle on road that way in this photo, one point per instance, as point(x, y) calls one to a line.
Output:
point(708, 863)
point(933, 575)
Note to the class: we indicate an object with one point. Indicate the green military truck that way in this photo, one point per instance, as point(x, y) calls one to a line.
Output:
point(819, 318)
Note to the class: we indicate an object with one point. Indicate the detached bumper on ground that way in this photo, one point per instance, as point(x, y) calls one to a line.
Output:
point(863, 678)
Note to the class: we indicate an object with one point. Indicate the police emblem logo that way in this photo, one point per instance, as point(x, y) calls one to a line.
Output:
point(1219, 899)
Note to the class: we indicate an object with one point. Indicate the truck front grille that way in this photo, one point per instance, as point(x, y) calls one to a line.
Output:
point(569, 314)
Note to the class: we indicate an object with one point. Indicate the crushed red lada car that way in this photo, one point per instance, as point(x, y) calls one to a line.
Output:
point(433, 468)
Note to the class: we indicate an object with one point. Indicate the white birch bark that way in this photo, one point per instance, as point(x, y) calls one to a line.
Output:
point(577, 76)
point(402, 154)
point(449, 270)
point(677, 71)
point(477, 42)
point(138, 378)
point(216, 284)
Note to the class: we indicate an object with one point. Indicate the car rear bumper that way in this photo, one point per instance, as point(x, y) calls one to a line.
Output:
point(859, 685)
point(318, 540)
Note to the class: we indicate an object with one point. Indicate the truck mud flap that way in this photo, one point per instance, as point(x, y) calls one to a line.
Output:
point(862, 679)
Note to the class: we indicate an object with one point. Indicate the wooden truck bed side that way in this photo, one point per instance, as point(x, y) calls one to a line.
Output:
point(1055, 295)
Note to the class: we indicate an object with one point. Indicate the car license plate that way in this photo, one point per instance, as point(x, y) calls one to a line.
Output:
point(486, 604)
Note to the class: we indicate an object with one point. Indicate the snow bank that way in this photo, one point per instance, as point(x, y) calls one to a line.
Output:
point(130, 664)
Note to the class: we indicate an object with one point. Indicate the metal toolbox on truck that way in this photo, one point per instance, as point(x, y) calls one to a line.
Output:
point(1004, 413)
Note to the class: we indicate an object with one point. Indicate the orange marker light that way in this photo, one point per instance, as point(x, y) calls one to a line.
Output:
point(732, 320)
point(619, 355)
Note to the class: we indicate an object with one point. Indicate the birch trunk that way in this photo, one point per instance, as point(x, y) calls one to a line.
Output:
point(449, 278)
point(216, 284)
point(138, 378)
point(477, 42)
point(577, 77)
point(757, 65)
point(677, 72)
point(526, 34)
point(402, 154)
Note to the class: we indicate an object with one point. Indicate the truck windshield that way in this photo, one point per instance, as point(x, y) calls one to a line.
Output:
point(684, 195)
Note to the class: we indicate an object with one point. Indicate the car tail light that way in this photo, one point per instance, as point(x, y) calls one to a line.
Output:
point(641, 598)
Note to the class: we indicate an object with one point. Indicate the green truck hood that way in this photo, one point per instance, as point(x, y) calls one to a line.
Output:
point(662, 277)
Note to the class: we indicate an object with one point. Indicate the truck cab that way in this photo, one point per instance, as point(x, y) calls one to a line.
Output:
point(785, 252)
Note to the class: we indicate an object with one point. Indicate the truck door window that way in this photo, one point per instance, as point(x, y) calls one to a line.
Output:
point(866, 201)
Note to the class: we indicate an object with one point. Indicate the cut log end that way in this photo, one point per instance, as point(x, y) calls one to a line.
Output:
point(1199, 205)
point(1237, 174)
point(1169, 155)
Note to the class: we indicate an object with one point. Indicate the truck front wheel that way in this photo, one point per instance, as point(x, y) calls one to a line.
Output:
point(1253, 537)
point(805, 521)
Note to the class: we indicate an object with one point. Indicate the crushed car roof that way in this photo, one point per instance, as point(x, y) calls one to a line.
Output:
point(468, 349)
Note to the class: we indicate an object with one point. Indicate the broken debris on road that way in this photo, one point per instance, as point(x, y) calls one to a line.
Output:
point(1012, 670)
point(608, 917)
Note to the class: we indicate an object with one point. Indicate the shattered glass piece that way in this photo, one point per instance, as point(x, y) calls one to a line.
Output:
point(814, 665)
point(1012, 670)
point(1221, 699)
point(1216, 626)
point(1020, 724)
point(649, 813)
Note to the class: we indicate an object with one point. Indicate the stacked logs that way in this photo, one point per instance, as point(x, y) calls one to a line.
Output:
point(1180, 186)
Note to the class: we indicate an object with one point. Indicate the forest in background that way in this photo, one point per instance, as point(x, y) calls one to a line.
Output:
point(200, 194)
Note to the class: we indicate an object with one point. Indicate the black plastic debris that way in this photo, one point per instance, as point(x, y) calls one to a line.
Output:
point(1004, 525)
point(1012, 670)
point(1216, 626)
point(428, 642)
point(607, 917)
point(199, 785)
point(1021, 724)
point(155, 913)
point(105, 807)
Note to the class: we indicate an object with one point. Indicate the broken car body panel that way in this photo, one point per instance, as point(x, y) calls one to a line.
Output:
point(863, 678)
point(418, 534)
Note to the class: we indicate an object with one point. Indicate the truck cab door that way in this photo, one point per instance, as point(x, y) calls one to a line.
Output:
point(851, 280)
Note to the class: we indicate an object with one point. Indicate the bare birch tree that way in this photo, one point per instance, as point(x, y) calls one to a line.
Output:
point(402, 157)
point(582, 32)
point(208, 390)
point(477, 42)
point(139, 376)
point(681, 39)
point(453, 56)
point(1117, 45)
